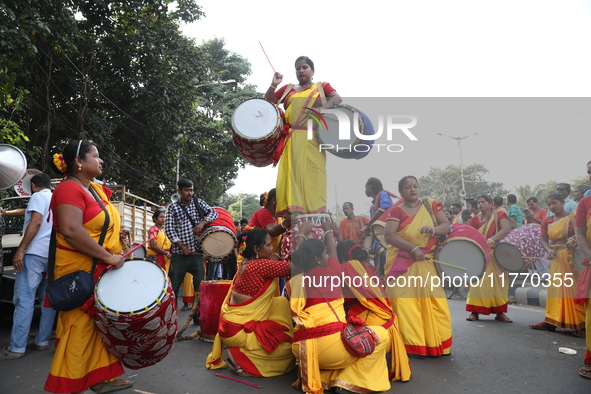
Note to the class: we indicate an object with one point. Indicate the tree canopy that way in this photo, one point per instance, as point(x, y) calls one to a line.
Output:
point(123, 75)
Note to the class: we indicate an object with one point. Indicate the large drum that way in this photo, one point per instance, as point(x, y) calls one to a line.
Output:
point(522, 242)
point(219, 238)
point(464, 247)
point(353, 147)
point(289, 237)
point(136, 313)
point(257, 124)
point(379, 226)
point(211, 299)
point(139, 253)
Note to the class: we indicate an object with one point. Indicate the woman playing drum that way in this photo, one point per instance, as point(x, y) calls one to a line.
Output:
point(492, 295)
point(365, 299)
point(159, 245)
point(255, 322)
point(301, 178)
point(318, 310)
point(561, 310)
point(81, 361)
point(411, 232)
point(583, 232)
point(265, 218)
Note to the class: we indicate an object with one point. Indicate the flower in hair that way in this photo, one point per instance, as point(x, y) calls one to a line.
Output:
point(242, 246)
point(352, 249)
point(58, 161)
point(266, 199)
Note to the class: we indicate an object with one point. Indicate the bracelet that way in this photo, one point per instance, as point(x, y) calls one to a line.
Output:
point(281, 224)
point(274, 87)
point(303, 236)
point(112, 256)
point(416, 247)
point(185, 247)
point(434, 231)
point(328, 231)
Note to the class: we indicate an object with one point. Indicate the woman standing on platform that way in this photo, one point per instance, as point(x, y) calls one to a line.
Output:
point(492, 294)
point(411, 232)
point(301, 178)
point(561, 310)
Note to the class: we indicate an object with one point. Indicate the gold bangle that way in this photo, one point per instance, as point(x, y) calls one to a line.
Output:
point(112, 256)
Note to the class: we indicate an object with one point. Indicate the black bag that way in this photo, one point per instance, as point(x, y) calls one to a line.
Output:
point(72, 290)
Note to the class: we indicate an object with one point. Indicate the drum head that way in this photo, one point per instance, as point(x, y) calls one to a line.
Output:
point(218, 241)
point(463, 254)
point(509, 257)
point(139, 253)
point(137, 285)
point(379, 230)
point(256, 119)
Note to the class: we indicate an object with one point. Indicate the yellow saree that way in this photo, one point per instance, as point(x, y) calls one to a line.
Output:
point(248, 330)
point(423, 312)
point(561, 310)
point(80, 359)
point(301, 177)
point(492, 294)
point(324, 361)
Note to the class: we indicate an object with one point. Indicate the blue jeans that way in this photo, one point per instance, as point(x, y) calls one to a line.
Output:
point(28, 281)
point(180, 265)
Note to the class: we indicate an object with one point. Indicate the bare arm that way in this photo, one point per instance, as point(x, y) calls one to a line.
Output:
point(397, 241)
point(581, 234)
point(270, 93)
point(70, 219)
point(505, 229)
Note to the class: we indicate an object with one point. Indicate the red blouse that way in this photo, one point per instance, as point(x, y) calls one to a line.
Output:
point(256, 274)
point(477, 224)
point(262, 218)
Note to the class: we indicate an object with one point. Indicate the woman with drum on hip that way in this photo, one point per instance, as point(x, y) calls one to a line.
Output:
point(558, 239)
point(301, 178)
point(265, 218)
point(411, 231)
point(159, 245)
point(492, 295)
point(255, 322)
point(81, 362)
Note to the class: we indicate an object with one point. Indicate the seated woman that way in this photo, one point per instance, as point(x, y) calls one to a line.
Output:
point(324, 361)
point(255, 321)
point(367, 301)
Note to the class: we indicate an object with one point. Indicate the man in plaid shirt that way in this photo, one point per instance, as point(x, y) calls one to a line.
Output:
point(183, 224)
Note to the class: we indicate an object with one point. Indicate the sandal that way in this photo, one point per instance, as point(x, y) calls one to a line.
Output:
point(504, 318)
point(235, 367)
point(579, 334)
point(472, 317)
point(109, 387)
point(585, 371)
point(543, 326)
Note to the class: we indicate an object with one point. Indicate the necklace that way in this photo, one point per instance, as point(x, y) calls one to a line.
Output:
point(411, 206)
point(78, 180)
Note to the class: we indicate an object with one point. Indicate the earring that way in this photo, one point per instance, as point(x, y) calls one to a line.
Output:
point(79, 168)
point(257, 255)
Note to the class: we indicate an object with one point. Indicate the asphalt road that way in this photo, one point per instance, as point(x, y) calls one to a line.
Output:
point(487, 356)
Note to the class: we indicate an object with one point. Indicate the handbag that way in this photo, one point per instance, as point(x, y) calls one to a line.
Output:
point(359, 340)
point(71, 291)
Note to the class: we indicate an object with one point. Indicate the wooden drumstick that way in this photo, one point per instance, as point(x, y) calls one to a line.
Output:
point(267, 57)
point(450, 265)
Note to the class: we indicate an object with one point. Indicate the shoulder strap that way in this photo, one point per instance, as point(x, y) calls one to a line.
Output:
point(184, 208)
point(429, 208)
point(320, 87)
point(285, 93)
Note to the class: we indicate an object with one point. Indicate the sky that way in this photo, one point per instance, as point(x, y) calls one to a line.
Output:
point(434, 52)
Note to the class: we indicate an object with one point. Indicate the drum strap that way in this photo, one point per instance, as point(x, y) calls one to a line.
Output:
point(285, 93)
point(320, 87)
point(199, 211)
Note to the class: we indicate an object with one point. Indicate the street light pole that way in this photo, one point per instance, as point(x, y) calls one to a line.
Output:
point(463, 191)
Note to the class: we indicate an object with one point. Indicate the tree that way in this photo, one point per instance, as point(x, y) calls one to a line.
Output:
point(540, 192)
point(244, 207)
point(444, 185)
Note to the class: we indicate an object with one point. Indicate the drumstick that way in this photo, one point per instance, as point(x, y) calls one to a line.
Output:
point(267, 58)
point(136, 248)
point(451, 265)
point(238, 380)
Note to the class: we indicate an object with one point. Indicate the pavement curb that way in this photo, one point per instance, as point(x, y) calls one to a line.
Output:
point(527, 295)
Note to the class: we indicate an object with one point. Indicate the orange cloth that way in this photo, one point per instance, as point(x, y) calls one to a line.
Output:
point(349, 228)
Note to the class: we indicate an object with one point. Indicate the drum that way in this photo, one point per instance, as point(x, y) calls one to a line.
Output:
point(353, 147)
point(465, 247)
point(379, 226)
point(211, 298)
point(136, 313)
point(523, 241)
point(218, 239)
point(578, 257)
point(257, 124)
point(288, 240)
point(139, 253)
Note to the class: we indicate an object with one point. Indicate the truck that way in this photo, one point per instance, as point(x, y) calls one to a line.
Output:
point(136, 215)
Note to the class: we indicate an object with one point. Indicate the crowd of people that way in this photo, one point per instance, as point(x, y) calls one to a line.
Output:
point(279, 312)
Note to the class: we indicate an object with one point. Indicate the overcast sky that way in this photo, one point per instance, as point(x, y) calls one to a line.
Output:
point(431, 49)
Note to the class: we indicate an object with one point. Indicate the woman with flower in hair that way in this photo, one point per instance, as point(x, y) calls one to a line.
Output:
point(265, 218)
point(255, 321)
point(80, 207)
point(365, 299)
